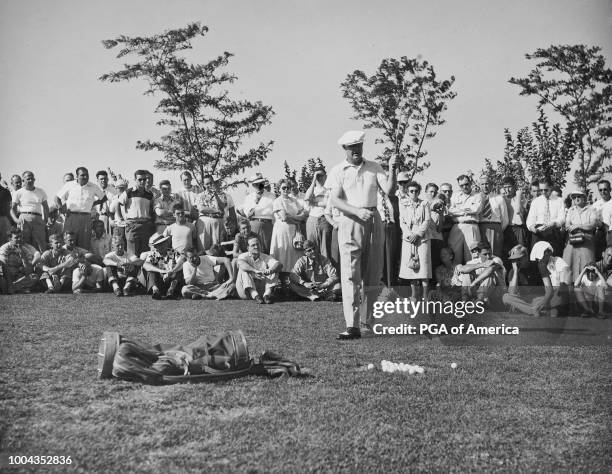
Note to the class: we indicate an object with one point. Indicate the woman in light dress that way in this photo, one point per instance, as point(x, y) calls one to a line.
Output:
point(415, 217)
point(288, 215)
point(580, 218)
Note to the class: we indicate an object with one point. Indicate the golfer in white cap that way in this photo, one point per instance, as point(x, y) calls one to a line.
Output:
point(354, 185)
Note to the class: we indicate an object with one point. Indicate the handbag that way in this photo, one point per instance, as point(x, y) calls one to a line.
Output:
point(413, 262)
point(298, 240)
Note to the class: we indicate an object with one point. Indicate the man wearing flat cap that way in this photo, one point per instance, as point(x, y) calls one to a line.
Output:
point(257, 208)
point(354, 185)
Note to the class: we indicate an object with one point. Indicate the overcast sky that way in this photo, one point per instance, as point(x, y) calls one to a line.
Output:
point(292, 55)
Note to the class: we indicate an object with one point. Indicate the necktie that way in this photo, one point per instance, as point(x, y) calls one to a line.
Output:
point(487, 212)
point(383, 200)
point(547, 212)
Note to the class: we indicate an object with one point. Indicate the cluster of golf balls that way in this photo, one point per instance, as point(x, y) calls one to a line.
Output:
point(391, 367)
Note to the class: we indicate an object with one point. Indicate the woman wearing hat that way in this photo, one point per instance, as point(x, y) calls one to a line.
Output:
point(415, 218)
point(580, 221)
point(289, 214)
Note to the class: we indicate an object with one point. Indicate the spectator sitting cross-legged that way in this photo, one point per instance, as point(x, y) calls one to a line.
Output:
point(484, 275)
point(257, 273)
point(201, 280)
point(121, 268)
point(314, 277)
point(161, 270)
point(18, 263)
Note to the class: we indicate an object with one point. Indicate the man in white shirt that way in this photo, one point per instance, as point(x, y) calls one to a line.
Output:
point(78, 197)
point(354, 185)
point(257, 274)
point(201, 280)
point(318, 230)
point(104, 213)
point(493, 216)
point(30, 210)
point(465, 208)
point(546, 218)
point(257, 208)
point(189, 194)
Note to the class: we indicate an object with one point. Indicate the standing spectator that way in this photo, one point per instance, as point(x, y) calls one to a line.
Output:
point(493, 216)
point(580, 221)
point(79, 197)
point(16, 184)
point(431, 192)
point(136, 207)
point(18, 264)
point(257, 274)
point(289, 214)
point(318, 229)
point(258, 209)
point(182, 232)
point(30, 210)
point(604, 199)
point(391, 236)
point(164, 206)
point(121, 268)
point(68, 177)
point(104, 212)
point(437, 207)
point(465, 209)
point(201, 280)
point(314, 277)
point(5, 212)
point(189, 194)
point(354, 187)
point(446, 190)
point(230, 218)
point(211, 206)
point(119, 223)
point(149, 185)
point(516, 232)
point(534, 192)
point(546, 217)
point(415, 218)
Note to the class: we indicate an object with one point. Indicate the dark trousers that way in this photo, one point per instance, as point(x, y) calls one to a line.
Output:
point(137, 235)
point(392, 244)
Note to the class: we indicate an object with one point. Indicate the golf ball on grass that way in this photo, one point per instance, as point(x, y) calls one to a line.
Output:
point(454, 365)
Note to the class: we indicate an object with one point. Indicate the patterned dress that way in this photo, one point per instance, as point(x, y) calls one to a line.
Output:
point(414, 219)
point(281, 245)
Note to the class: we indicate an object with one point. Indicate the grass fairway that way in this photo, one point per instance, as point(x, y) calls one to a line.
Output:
point(505, 408)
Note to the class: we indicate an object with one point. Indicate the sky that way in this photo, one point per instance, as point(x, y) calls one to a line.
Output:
point(292, 55)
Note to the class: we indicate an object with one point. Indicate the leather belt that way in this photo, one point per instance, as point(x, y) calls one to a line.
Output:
point(467, 222)
point(490, 222)
point(32, 213)
point(214, 216)
point(259, 219)
point(80, 213)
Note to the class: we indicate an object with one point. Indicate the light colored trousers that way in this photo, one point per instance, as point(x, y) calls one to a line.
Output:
point(461, 239)
point(210, 232)
point(361, 262)
point(264, 285)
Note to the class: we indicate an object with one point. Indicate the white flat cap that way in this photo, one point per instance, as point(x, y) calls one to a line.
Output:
point(351, 137)
point(537, 252)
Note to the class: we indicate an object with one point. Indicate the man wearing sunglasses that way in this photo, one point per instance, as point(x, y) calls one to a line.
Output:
point(603, 203)
point(465, 209)
point(136, 207)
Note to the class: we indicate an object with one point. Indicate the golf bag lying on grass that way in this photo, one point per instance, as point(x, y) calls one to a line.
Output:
point(210, 358)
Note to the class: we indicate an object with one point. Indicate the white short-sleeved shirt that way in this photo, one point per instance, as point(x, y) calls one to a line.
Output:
point(263, 209)
point(30, 201)
point(205, 271)
point(80, 198)
point(120, 260)
point(182, 235)
point(264, 262)
point(359, 184)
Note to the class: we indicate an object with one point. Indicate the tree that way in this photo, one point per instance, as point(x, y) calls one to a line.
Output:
point(543, 152)
point(573, 80)
point(405, 101)
point(205, 126)
point(307, 172)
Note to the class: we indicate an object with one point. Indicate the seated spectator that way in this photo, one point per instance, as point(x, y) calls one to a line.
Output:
point(314, 277)
point(100, 242)
point(87, 277)
point(57, 266)
point(483, 277)
point(556, 278)
point(182, 232)
point(590, 291)
point(160, 268)
point(201, 280)
point(242, 237)
point(257, 273)
point(523, 279)
point(605, 265)
point(448, 277)
point(18, 263)
point(121, 268)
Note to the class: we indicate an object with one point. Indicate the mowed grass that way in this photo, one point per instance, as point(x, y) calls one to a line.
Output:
point(505, 408)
